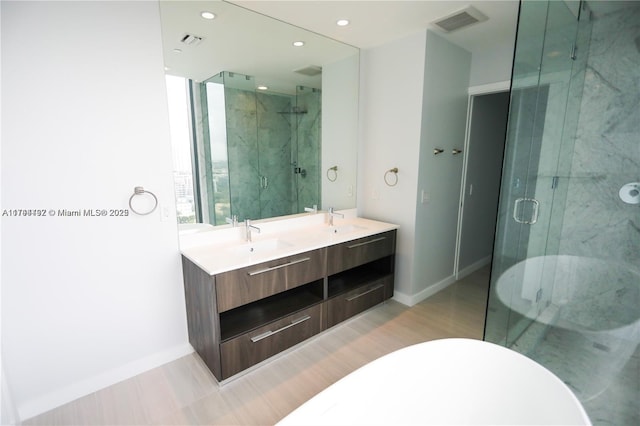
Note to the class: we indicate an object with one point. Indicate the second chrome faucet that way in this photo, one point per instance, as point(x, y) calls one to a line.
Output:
point(333, 213)
point(248, 227)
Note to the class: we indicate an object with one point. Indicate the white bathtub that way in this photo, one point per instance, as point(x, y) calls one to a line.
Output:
point(596, 298)
point(445, 382)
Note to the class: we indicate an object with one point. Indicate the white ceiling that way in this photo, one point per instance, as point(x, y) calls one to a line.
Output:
point(242, 41)
point(376, 22)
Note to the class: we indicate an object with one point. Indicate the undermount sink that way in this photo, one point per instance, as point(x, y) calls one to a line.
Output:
point(344, 229)
point(257, 247)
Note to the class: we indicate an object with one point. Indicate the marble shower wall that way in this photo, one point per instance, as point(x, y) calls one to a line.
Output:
point(242, 149)
point(274, 154)
point(266, 139)
point(607, 147)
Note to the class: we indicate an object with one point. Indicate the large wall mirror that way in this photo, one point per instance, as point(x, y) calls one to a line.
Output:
point(263, 114)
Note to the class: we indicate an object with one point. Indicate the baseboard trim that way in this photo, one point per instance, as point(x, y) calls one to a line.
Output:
point(473, 267)
point(44, 403)
point(9, 414)
point(411, 300)
point(403, 298)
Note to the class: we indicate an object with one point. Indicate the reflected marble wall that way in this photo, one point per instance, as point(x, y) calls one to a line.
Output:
point(596, 222)
point(242, 149)
point(265, 140)
point(274, 152)
point(607, 147)
point(259, 147)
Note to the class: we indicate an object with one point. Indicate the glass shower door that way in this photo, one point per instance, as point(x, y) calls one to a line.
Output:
point(543, 64)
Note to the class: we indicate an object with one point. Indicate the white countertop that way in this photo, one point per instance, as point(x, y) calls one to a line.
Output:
point(448, 381)
point(224, 249)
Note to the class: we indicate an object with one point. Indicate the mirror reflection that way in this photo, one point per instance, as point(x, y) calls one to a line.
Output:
point(261, 127)
point(265, 160)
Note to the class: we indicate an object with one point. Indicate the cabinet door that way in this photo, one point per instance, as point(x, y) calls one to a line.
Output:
point(245, 285)
point(251, 348)
point(358, 252)
point(348, 304)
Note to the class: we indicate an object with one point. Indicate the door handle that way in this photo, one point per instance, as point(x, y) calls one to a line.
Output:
point(283, 265)
point(366, 242)
point(271, 333)
point(534, 213)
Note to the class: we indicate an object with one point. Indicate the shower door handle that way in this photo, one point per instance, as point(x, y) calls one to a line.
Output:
point(534, 212)
point(263, 182)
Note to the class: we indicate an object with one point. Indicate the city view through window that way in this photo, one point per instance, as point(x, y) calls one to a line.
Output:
point(178, 98)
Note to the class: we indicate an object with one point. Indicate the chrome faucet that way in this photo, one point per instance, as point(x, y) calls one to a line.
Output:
point(333, 213)
point(248, 226)
point(233, 220)
point(313, 210)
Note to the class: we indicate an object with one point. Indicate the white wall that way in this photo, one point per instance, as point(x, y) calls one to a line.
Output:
point(390, 115)
point(413, 98)
point(493, 64)
point(443, 126)
point(86, 301)
point(339, 132)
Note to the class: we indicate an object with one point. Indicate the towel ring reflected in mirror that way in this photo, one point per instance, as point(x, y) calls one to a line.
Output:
point(393, 172)
point(332, 177)
point(138, 190)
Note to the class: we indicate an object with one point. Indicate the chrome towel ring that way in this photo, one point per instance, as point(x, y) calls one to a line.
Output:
point(395, 173)
point(332, 176)
point(138, 190)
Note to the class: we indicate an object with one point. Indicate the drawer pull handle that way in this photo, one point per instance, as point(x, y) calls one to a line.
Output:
point(271, 333)
point(375, 240)
point(349, 299)
point(273, 268)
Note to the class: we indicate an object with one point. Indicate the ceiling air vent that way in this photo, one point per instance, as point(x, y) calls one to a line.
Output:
point(191, 40)
point(310, 70)
point(462, 18)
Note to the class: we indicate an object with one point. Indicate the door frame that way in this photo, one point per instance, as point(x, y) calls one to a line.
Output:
point(485, 89)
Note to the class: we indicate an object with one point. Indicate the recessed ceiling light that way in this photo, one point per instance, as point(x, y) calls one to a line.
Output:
point(207, 15)
point(177, 50)
point(342, 22)
point(262, 87)
point(298, 43)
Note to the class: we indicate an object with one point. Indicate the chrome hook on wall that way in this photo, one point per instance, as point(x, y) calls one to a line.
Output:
point(437, 151)
point(456, 151)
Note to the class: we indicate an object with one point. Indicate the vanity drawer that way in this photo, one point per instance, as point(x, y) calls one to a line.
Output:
point(245, 285)
point(358, 252)
point(251, 348)
point(346, 305)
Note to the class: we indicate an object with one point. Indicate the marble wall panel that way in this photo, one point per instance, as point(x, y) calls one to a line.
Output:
point(242, 149)
point(607, 146)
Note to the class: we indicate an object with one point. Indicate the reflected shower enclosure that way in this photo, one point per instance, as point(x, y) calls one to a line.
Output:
point(565, 280)
point(258, 152)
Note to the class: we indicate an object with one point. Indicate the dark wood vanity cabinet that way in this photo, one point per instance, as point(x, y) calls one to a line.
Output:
point(245, 285)
point(251, 348)
point(358, 252)
point(239, 318)
point(359, 275)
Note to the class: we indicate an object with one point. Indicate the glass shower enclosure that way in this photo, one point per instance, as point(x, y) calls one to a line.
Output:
point(565, 285)
point(258, 151)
